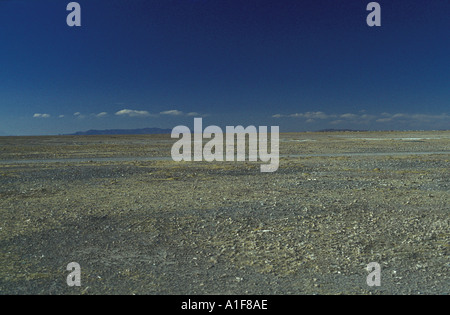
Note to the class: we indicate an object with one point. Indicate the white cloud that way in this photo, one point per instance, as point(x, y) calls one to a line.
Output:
point(380, 120)
point(61, 116)
point(133, 113)
point(172, 112)
point(192, 114)
point(37, 115)
point(414, 118)
point(367, 117)
point(79, 115)
point(348, 116)
point(307, 115)
point(144, 113)
point(102, 114)
point(317, 115)
point(383, 120)
point(427, 118)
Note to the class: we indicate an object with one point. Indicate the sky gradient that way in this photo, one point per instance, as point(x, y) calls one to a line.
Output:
point(303, 65)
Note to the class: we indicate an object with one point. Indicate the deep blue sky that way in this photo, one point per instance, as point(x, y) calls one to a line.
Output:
point(297, 64)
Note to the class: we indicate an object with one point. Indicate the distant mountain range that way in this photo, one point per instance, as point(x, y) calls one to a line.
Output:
point(142, 131)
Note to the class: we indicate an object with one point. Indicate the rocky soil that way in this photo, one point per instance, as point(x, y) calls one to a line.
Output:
point(162, 227)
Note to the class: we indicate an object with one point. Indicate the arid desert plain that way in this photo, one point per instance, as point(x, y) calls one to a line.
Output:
point(138, 222)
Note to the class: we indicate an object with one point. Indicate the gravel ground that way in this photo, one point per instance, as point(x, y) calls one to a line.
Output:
point(161, 227)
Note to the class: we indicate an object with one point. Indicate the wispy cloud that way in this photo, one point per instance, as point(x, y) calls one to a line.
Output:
point(133, 113)
point(144, 113)
point(422, 118)
point(172, 112)
point(175, 112)
point(195, 114)
point(382, 119)
point(38, 115)
point(307, 115)
point(102, 114)
point(348, 116)
point(79, 115)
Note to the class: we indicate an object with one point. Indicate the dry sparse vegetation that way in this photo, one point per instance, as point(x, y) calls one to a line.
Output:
point(153, 226)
